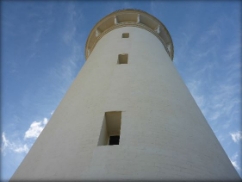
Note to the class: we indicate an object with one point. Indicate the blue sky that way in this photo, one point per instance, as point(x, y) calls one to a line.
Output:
point(42, 51)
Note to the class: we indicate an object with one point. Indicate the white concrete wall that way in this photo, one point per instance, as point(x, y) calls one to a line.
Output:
point(163, 133)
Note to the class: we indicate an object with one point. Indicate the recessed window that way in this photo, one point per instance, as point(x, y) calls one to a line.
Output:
point(125, 35)
point(114, 140)
point(110, 131)
point(123, 59)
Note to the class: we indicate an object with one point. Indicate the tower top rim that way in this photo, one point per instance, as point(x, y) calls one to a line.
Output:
point(133, 18)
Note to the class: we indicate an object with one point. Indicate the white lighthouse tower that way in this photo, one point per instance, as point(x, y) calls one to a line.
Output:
point(128, 115)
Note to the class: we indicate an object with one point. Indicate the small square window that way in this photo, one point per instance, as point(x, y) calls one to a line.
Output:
point(125, 35)
point(123, 59)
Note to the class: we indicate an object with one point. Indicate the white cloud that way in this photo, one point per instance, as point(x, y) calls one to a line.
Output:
point(21, 149)
point(45, 121)
point(35, 129)
point(52, 112)
point(235, 162)
point(17, 147)
point(236, 136)
point(5, 142)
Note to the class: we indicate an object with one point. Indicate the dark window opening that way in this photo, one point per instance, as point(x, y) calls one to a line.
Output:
point(123, 59)
point(125, 35)
point(114, 140)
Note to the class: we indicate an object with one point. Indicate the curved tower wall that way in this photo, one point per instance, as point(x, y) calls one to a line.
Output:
point(163, 133)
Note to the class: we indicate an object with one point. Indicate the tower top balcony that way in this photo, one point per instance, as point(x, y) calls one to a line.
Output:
point(132, 18)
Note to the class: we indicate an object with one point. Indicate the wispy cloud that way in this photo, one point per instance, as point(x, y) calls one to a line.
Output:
point(233, 50)
point(68, 36)
point(217, 98)
point(194, 87)
point(234, 160)
point(127, 4)
point(68, 68)
point(209, 62)
point(74, 18)
point(52, 112)
point(155, 7)
point(235, 164)
point(5, 142)
point(21, 149)
point(236, 136)
point(17, 147)
point(115, 5)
